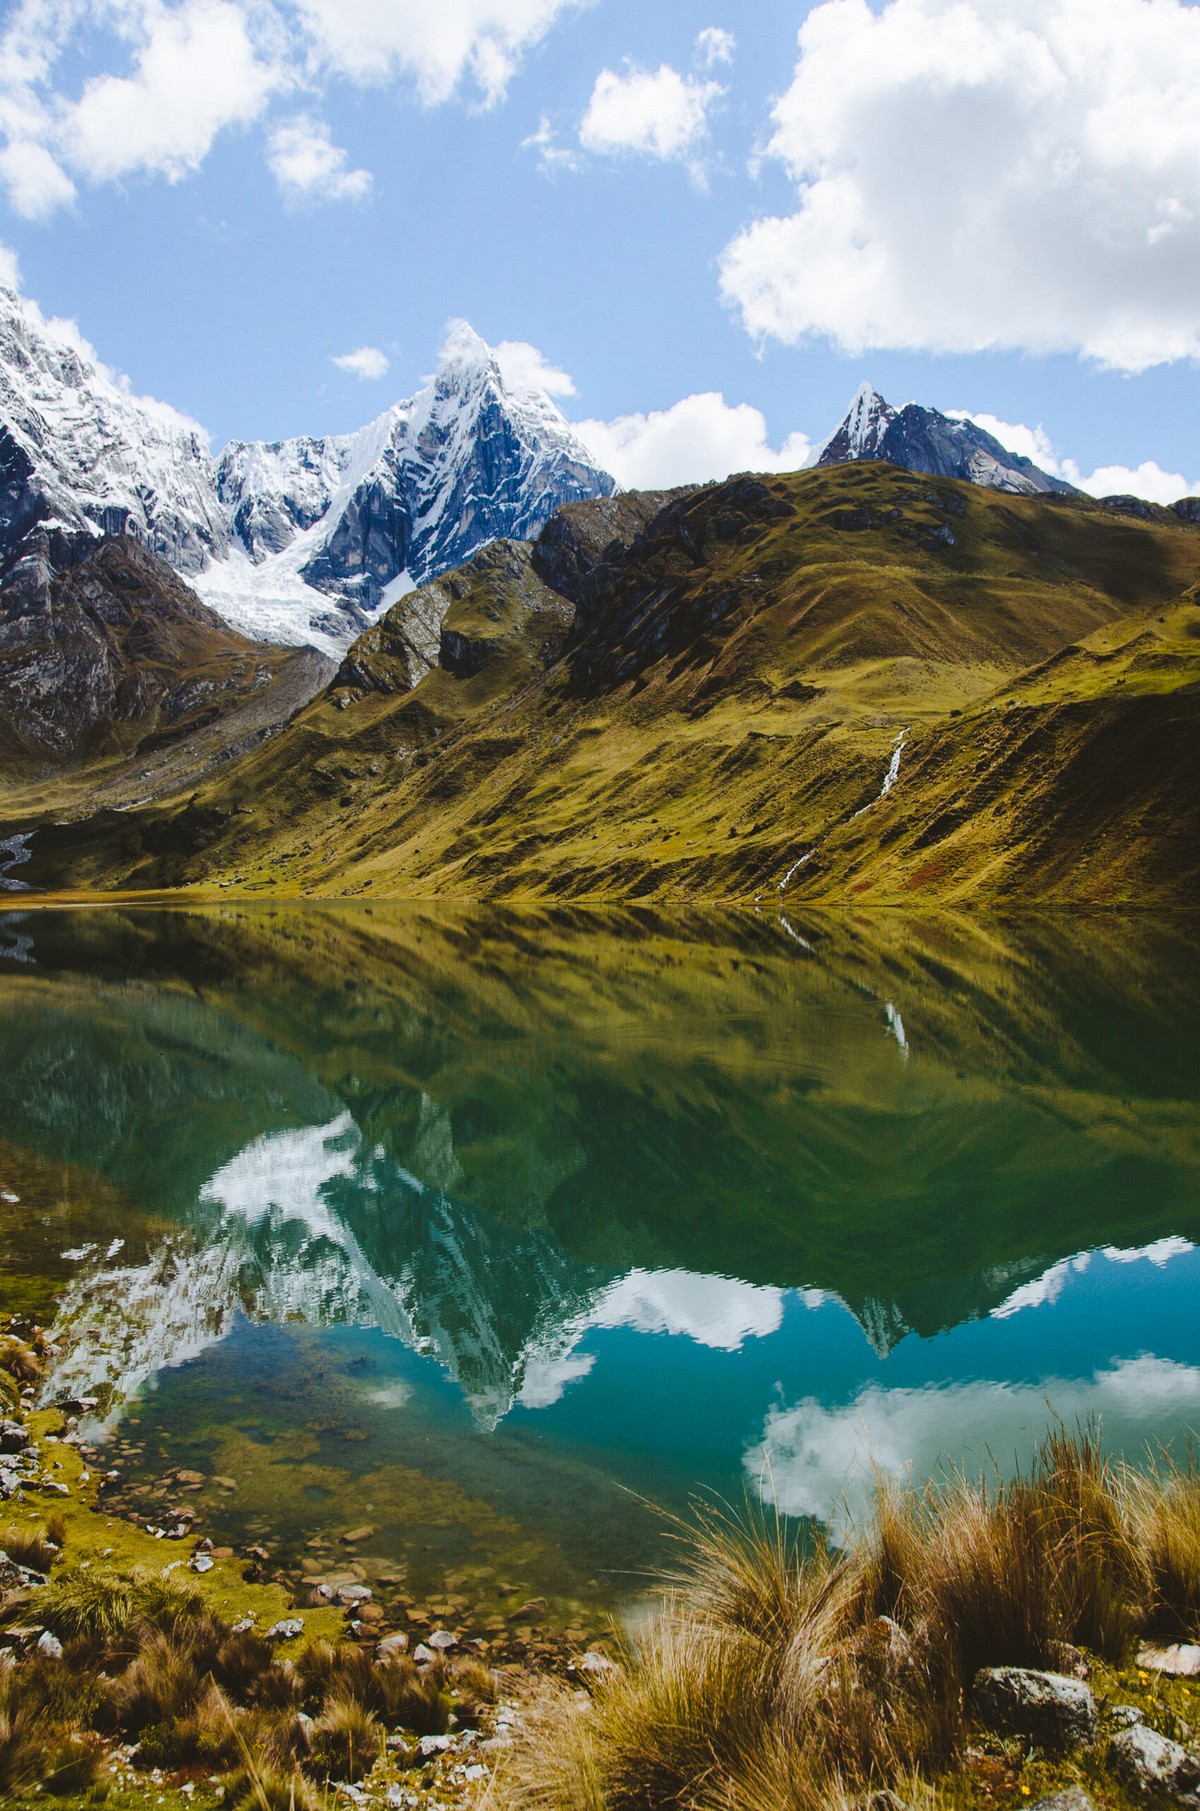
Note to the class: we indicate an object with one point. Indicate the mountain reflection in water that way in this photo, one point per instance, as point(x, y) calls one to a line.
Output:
point(646, 1201)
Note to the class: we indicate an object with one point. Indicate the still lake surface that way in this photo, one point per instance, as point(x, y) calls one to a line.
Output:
point(492, 1230)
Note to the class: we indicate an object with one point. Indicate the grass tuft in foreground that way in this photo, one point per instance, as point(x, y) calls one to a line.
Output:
point(783, 1674)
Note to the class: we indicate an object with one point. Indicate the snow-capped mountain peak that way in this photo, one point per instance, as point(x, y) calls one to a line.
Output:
point(924, 440)
point(299, 540)
point(82, 456)
point(332, 530)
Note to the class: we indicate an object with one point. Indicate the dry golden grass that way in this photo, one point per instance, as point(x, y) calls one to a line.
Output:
point(781, 1675)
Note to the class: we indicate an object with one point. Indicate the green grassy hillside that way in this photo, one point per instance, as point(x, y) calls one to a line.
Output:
point(687, 697)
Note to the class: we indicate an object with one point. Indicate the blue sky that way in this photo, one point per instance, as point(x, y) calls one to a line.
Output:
point(991, 205)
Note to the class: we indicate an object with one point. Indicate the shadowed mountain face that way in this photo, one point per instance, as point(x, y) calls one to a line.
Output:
point(117, 649)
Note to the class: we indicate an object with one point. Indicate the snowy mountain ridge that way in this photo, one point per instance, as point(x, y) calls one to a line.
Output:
point(82, 456)
point(300, 540)
point(925, 440)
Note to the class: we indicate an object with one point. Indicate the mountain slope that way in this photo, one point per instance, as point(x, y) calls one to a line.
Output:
point(116, 681)
point(764, 688)
point(924, 440)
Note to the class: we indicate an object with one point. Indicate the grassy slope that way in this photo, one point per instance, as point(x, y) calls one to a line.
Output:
point(729, 701)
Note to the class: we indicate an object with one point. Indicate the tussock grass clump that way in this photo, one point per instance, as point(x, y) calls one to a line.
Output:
point(783, 1674)
point(98, 1606)
point(347, 1739)
point(1166, 1510)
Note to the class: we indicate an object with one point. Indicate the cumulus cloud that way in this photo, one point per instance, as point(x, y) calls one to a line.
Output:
point(37, 185)
point(698, 438)
point(1147, 480)
point(197, 72)
point(980, 174)
point(367, 363)
point(309, 167)
point(715, 45)
point(438, 46)
point(658, 112)
point(523, 368)
point(820, 1460)
point(718, 1312)
point(201, 67)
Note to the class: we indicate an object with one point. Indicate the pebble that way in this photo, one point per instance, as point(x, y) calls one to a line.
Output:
point(443, 1640)
point(285, 1630)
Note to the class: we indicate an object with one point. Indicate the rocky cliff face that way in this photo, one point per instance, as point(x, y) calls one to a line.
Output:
point(112, 651)
point(924, 440)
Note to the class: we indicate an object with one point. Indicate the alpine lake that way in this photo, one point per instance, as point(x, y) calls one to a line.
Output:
point(454, 1250)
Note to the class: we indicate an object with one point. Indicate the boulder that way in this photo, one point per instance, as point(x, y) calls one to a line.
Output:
point(1150, 1764)
point(13, 1437)
point(1048, 1708)
point(1181, 1660)
point(1071, 1798)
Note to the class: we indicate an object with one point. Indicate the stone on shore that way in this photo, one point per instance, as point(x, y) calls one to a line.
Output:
point(1048, 1708)
point(1150, 1764)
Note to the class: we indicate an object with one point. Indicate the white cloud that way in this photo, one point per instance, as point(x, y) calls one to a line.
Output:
point(715, 45)
point(718, 1312)
point(698, 438)
point(372, 40)
point(657, 112)
point(986, 173)
point(309, 167)
point(196, 73)
point(552, 157)
point(36, 185)
point(820, 1461)
point(1147, 480)
point(368, 362)
point(200, 67)
point(10, 269)
point(523, 368)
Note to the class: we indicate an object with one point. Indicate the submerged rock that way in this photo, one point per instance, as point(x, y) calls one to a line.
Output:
point(1047, 1707)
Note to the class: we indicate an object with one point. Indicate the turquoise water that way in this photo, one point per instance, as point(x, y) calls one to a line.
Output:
point(495, 1232)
